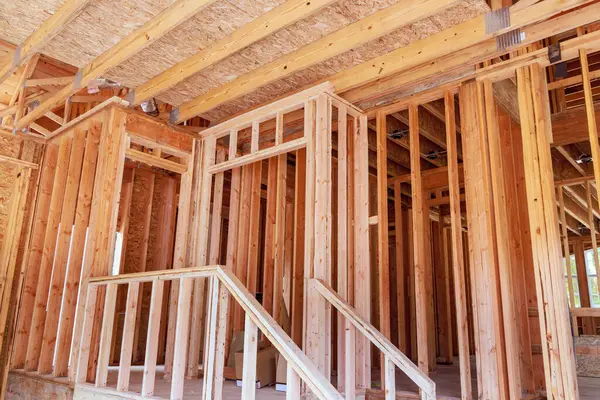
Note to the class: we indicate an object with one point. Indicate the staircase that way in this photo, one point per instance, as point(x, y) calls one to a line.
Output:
point(92, 378)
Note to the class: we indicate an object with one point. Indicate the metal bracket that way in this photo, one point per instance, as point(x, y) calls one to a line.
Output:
point(560, 70)
point(77, 80)
point(554, 53)
point(17, 56)
point(509, 39)
point(130, 97)
point(497, 20)
point(174, 115)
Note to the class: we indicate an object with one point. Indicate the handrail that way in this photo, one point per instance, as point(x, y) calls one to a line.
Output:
point(391, 352)
point(299, 365)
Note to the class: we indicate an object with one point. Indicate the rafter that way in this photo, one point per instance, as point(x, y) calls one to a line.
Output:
point(46, 32)
point(142, 37)
point(278, 18)
point(370, 28)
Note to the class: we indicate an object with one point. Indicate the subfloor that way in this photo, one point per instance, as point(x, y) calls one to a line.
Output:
point(27, 386)
point(446, 378)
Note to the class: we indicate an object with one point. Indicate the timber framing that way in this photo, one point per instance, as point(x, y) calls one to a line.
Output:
point(317, 195)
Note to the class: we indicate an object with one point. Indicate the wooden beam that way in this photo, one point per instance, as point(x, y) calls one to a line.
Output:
point(141, 38)
point(278, 18)
point(446, 42)
point(43, 35)
point(364, 30)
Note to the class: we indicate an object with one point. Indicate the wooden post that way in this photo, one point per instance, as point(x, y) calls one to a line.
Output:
point(382, 232)
point(181, 338)
point(420, 224)
point(362, 286)
point(486, 296)
point(250, 351)
point(557, 345)
point(505, 261)
point(342, 240)
point(108, 320)
point(127, 342)
point(154, 319)
point(458, 265)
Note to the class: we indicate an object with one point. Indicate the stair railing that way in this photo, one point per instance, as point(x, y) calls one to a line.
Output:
point(393, 356)
point(223, 284)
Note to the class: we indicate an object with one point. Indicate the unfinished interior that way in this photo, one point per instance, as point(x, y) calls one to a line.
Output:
point(332, 199)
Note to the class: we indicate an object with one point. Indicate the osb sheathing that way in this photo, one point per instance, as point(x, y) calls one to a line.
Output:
point(13, 146)
point(141, 197)
point(105, 22)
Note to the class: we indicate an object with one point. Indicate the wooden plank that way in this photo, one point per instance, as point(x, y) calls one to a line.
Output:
point(382, 232)
point(61, 256)
point(279, 242)
point(211, 339)
point(319, 326)
point(10, 280)
point(419, 226)
point(152, 338)
point(30, 279)
point(499, 194)
point(427, 53)
point(18, 162)
point(482, 265)
point(399, 243)
point(250, 351)
point(127, 341)
point(292, 384)
point(204, 191)
point(181, 338)
point(43, 35)
point(153, 161)
point(390, 379)
point(108, 320)
point(86, 334)
point(269, 250)
point(299, 241)
point(99, 249)
point(582, 281)
point(411, 370)
point(342, 239)
point(362, 289)
point(260, 155)
point(458, 264)
point(344, 39)
point(295, 358)
point(45, 269)
point(220, 346)
point(278, 18)
point(254, 235)
point(142, 37)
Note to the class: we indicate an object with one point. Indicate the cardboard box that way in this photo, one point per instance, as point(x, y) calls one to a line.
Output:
point(281, 374)
point(265, 366)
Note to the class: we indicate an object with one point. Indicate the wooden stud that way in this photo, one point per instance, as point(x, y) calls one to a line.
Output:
point(152, 338)
point(106, 334)
point(419, 227)
point(63, 246)
point(127, 341)
point(250, 351)
point(382, 231)
point(45, 271)
point(31, 269)
point(458, 264)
